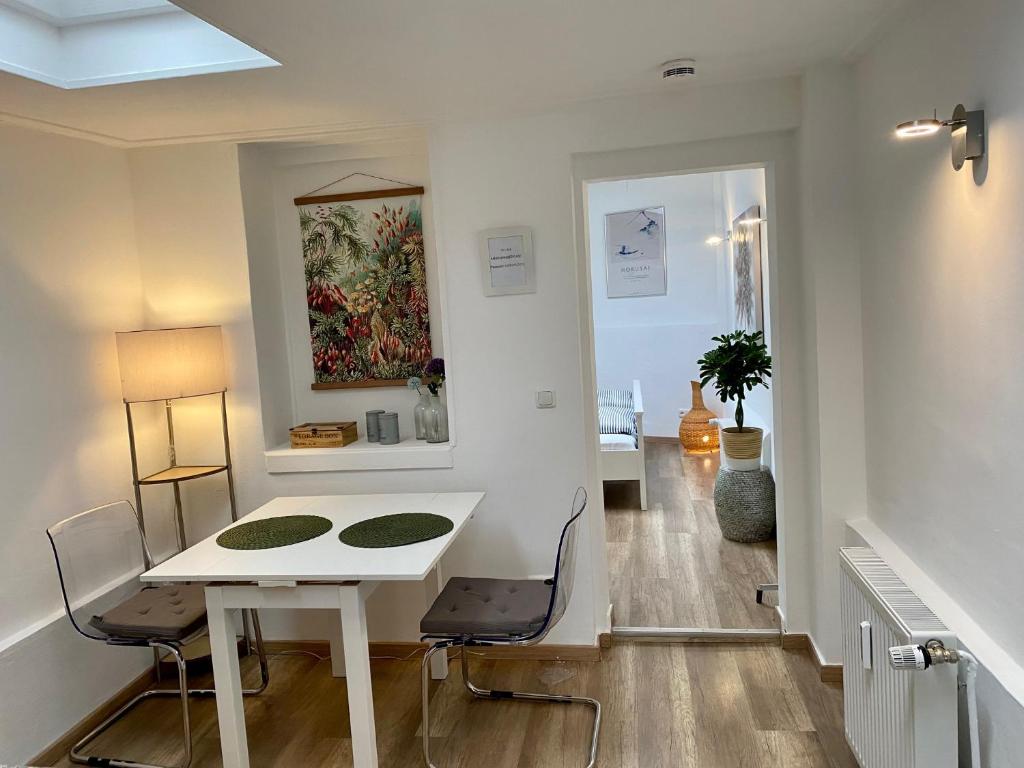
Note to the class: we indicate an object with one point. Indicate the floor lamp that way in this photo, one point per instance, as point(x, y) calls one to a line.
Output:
point(168, 365)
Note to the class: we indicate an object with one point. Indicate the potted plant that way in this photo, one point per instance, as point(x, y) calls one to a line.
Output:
point(739, 363)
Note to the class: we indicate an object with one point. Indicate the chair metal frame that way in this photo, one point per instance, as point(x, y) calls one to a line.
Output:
point(441, 643)
point(172, 647)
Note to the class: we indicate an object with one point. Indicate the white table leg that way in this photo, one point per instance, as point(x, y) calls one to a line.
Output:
point(224, 649)
point(432, 586)
point(357, 664)
point(337, 647)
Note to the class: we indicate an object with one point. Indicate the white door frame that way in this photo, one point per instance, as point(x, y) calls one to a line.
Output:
point(776, 154)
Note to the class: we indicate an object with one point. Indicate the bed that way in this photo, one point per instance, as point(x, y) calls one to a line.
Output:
point(620, 416)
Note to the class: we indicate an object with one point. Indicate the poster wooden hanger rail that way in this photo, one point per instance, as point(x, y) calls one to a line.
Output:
point(311, 198)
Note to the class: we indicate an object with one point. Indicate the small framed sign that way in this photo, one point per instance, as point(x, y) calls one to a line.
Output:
point(506, 259)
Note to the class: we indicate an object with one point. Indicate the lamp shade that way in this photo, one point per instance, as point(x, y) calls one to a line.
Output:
point(171, 363)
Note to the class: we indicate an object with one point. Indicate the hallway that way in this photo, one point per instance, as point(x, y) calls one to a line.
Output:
point(670, 566)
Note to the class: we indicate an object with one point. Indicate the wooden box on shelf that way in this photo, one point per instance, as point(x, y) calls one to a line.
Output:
point(323, 434)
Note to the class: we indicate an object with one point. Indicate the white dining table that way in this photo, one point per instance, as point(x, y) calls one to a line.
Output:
point(322, 573)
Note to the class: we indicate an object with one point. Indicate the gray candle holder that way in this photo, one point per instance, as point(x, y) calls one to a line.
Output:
point(389, 429)
point(373, 426)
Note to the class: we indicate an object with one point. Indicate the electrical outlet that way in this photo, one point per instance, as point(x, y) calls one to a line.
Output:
point(545, 398)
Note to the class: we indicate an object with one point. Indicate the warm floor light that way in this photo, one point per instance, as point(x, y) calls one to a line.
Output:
point(696, 432)
point(914, 128)
point(171, 363)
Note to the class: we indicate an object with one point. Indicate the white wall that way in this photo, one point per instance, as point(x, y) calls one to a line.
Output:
point(273, 367)
point(942, 278)
point(70, 278)
point(834, 378)
point(658, 339)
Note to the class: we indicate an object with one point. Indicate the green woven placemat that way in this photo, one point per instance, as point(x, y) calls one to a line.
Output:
point(396, 530)
point(274, 532)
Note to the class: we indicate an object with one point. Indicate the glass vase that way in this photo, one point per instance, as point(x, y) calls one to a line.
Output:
point(437, 421)
point(419, 414)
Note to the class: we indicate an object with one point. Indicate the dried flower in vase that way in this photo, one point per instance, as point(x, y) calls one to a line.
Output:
point(435, 375)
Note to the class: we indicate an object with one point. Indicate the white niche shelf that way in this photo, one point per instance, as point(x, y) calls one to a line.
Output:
point(361, 456)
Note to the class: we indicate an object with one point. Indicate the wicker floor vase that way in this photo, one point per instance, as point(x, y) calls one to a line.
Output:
point(696, 433)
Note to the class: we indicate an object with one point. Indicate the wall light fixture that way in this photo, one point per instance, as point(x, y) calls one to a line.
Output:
point(751, 221)
point(967, 133)
point(716, 240)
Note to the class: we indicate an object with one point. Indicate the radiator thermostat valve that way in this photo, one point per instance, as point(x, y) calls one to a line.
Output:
point(915, 657)
point(909, 657)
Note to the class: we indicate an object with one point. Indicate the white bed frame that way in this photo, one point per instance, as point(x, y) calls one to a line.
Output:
point(629, 465)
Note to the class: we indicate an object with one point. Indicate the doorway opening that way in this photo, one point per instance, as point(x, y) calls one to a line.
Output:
point(674, 261)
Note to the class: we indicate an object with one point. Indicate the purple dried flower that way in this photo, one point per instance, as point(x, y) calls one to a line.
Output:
point(435, 367)
point(434, 373)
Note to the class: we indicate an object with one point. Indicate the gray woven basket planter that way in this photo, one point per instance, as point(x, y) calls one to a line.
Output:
point(745, 504)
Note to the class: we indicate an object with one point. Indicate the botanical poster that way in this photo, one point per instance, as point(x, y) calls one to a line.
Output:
point(366, 290)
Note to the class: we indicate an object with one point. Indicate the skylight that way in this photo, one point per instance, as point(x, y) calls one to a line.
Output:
point(65, 13)
point(84, 43)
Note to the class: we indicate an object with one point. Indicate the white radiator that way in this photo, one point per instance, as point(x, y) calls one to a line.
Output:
point(893, 719)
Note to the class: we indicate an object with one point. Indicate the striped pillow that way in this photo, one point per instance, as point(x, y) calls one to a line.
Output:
point(615, 414)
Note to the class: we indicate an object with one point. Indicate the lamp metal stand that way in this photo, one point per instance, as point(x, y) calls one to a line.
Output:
point(172, 460)
point(176, 474)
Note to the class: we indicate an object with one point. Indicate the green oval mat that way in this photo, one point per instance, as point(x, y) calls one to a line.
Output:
point(274, 532)
point(396, 530)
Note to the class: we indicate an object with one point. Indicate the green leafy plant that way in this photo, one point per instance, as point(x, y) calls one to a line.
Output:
point(739, 363)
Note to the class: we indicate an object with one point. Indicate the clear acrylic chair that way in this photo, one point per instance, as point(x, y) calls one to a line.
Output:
point(480, 612)
point(100, 554)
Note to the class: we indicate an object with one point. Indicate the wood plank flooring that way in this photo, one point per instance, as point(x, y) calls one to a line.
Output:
point(665, 706)
point(670, 566)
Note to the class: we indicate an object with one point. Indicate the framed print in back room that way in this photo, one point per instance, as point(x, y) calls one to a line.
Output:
point(635, 253)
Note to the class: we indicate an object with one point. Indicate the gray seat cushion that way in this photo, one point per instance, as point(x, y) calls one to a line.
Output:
point(170, 612)
point(488, 607)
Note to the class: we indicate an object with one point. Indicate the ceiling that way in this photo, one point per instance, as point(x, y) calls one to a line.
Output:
point(358, 63)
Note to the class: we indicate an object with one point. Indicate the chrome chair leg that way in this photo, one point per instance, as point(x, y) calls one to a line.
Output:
point(77, 756)
point(762, 588)
point(185, 719)
point(261, 653)
point(484, 693)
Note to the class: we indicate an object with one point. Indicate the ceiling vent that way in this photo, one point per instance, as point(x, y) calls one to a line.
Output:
point(678, 68)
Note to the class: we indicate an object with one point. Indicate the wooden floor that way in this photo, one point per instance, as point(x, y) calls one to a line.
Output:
point(670, 566)
point(665, 706)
